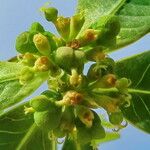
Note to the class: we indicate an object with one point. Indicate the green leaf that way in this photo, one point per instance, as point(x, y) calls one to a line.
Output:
point(11, 91)
point(134, 17)
point(18, 132)
point(137, 69)
point(110, 136)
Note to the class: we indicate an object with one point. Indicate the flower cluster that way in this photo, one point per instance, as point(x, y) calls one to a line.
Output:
point(67, 107)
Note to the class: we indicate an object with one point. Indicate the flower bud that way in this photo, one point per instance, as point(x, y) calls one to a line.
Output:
point(85, 115)
point(36, 27)
point(107, 81)
point(24, 43)
point(50, 13)
point(79, 59)
point(75, 78)
point(71, 98)
point(48, 120)
point(28, 59)
point(42, 44)
point(110, 104)
point(76, 24)
point(95, 54)
point(26, 75)
point(51, 40)
point(63, 27)
point(40, 103)
point(89, 36)
point(116, 118)
point(43, 64)
point(64, 57)
point(122, 85)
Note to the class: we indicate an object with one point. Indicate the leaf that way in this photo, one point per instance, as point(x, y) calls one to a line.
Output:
point(134, 17)
point(11, 91)
point(137, 69)
point(18, 132)
point(110, 136)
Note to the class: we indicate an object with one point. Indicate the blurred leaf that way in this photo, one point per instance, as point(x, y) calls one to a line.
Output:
point(18, 132)
point(11, 91)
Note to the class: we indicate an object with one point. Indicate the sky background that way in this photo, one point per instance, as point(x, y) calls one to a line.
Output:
point(17, 15)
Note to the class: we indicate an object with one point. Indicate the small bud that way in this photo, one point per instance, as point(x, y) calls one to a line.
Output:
point(42, 44)
point(75, 44)
point(95, 54)
point(89, 36)
point(64, 57)
point(48, 120)
point(26, 75)
point(24, 43)
point(122, 85)
point(76, 24)
point(107, 81)
point(86, 115)
point(28, 110)
point(116, 118)
point(28, 59)
point(63, 27)
point(40, 103)
point(43, 64)
point(79, 59)
point(75, 78)
point(50, 13)
point(51, 40)
point(110, 104)
point(36, 27)
point(72, 98)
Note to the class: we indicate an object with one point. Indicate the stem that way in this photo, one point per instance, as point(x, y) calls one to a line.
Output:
point(104, 91)
point(78, 146)
point(61, 103)
point(52, 139)
point(54, 145)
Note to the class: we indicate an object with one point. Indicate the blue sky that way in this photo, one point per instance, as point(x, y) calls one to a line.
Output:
point(17, 15)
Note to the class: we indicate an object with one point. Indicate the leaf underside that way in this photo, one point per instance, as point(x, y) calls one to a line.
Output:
point(18, 132)
point(134, 17)
point(11, 91)
point(137, 69)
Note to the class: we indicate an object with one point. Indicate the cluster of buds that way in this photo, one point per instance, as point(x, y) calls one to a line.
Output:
point(66, 108)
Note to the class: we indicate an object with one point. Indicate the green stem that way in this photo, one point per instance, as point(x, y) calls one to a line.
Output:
point(52, 141)
point(54, 145)
point(115, 90)
point(105, 91)
point(61, 103)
